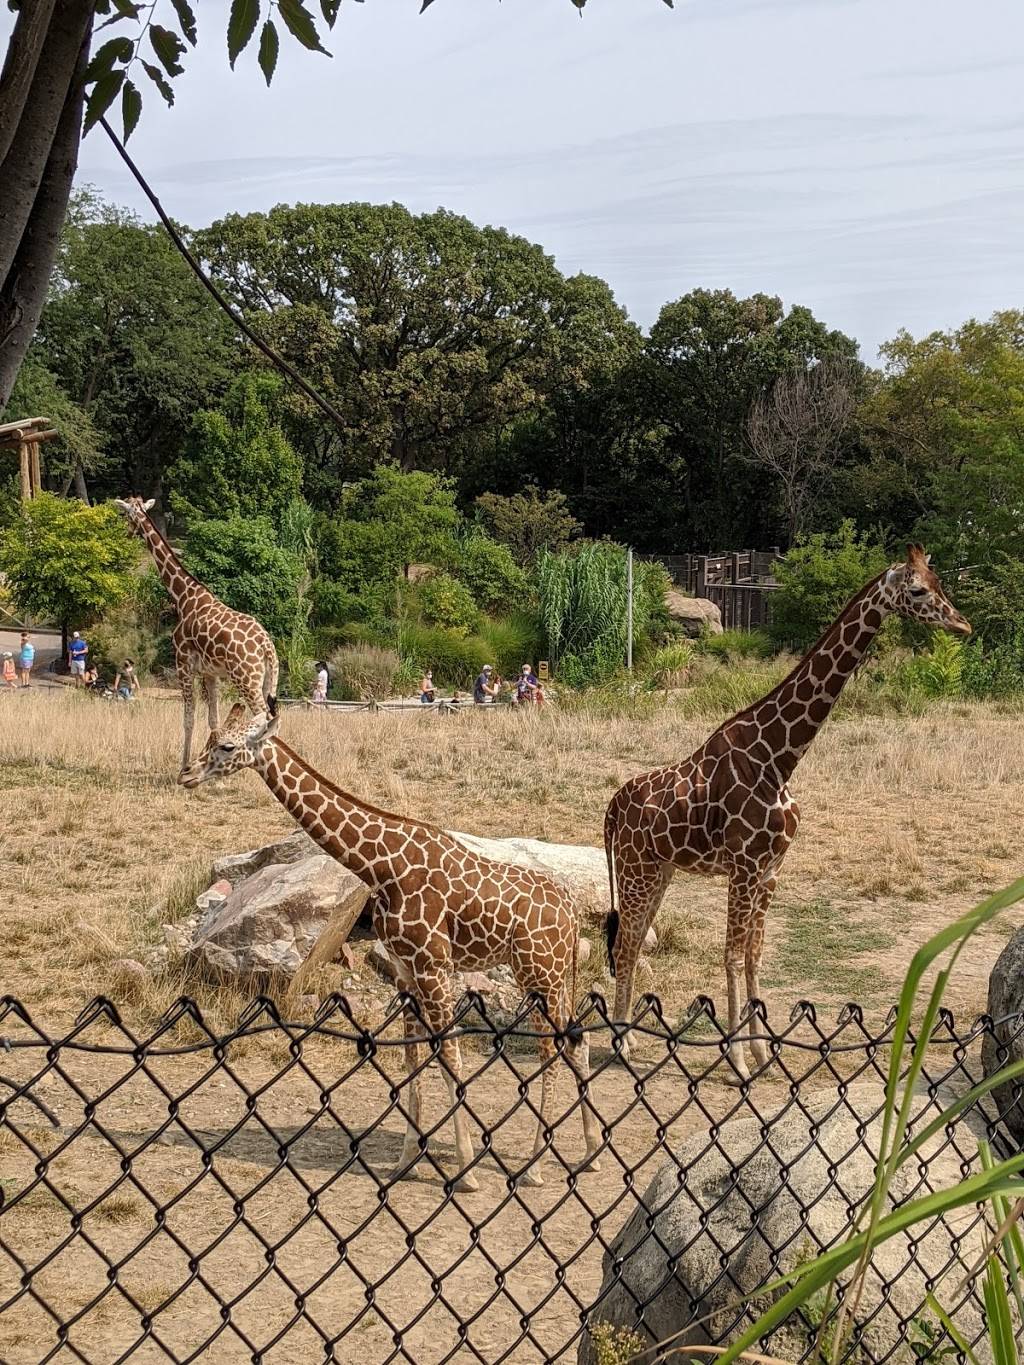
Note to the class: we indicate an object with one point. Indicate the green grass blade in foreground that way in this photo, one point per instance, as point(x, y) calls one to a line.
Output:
point(824, 1269)
point(956, 1335)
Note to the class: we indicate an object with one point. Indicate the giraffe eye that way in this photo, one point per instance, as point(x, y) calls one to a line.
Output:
point(918, 592)
point(227, 748)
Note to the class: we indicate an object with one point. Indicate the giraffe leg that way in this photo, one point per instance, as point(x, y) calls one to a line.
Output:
point(187, 683)
point(752, 963)
point(452, 1060)
point(742, 909)
point(212, 692)
point(577, 1057)
point(546, 1048)
point(413, 1132)
point(252, 694)
point(270, 672)
point(641, 886)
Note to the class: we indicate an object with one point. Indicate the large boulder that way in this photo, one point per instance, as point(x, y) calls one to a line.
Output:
point(582, 870)
point(1003, 1043)
point(729, 1215)
point(272, 919)
point(235, 867)
point(694, 614)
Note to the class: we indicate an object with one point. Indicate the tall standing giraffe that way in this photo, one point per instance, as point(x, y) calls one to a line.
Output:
point(437, 907)
point(727, 810)
point(211, 641)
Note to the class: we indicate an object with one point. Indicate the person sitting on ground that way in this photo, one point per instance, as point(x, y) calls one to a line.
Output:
point(78, 655)
point(527, 685)
point(484, 689)
point(126, 684)
point(427, 693)
point(91, 678)
point(9, 678)
point(26, 658)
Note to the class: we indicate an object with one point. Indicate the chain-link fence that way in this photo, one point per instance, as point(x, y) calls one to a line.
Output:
point(185, 1196)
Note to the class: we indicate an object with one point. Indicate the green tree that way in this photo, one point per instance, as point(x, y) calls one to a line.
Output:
point(709, 356)
point(529, 522)
point(47, 74)
point(817, 578)
point(945, 431)
point(79, 449)
point(386, 523)
point(133, 340)
point(66, 561)
point(243, 562)
point(237, 461)
point(427, 333)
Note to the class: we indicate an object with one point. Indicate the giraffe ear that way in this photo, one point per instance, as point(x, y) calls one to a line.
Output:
point(124, 506)
point(149, 504)
point(236, 714)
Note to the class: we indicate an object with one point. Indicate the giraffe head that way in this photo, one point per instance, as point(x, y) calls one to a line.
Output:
point(135, 509)
point(913, 590)
point(235, 745)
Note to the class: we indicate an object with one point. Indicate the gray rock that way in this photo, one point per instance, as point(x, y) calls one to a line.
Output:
point(715, 1209)
point(1003, 1044)
point(694, 614)
point(582, 870)
point(272, 920)
point(380, 960)
point(235, 867)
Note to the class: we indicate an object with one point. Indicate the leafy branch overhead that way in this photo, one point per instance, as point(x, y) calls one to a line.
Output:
point(120, 58)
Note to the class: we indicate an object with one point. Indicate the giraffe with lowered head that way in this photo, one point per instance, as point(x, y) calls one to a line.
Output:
point(437, 907)
point(211, 641)
point(727, 810)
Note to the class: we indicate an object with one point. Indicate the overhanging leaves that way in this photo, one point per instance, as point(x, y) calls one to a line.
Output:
point(269, 43)
point(186, 19)
point(300, 24)
point(168, 47)
point(101, 97)
point(131, 108)
point(160, 81)
point(241, 26)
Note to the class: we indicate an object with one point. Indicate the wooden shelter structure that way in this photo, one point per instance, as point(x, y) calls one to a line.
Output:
point(27, 434)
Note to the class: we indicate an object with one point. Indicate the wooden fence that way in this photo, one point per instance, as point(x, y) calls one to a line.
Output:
point(740, 583)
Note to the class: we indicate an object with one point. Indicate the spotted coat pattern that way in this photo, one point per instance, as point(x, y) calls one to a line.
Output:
point(437, 907)
point(727, 809)
point(211, 641)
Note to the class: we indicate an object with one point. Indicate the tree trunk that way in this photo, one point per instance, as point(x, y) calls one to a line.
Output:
point(63, 667)
point(25, 287)
point(20, 66)
point(81, 491)
point(28, 159)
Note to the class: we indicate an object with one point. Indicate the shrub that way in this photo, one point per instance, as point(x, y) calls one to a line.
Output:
point(529, 522)
point(737, 644)
point(490, 573)
point(937, 672)
point(446, 602)
point(120, 636)
point(511, 641)
point(455, 659)
point(583, 607)
point(998, 672)
point(816, 580)
point(992, 599)
point(363, 671)
point(241, 560)
point(670, 665)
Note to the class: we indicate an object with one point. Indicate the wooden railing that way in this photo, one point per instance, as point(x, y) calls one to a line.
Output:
point(739, 582)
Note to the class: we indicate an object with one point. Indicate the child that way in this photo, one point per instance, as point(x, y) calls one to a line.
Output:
point(10, 680)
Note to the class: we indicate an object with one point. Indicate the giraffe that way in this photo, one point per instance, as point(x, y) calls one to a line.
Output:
point(438, 907)
point(210, 640)
point(727, 810)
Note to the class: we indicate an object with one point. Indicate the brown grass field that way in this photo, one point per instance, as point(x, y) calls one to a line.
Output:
point(906, 822)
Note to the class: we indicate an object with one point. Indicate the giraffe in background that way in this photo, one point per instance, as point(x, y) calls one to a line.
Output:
point(727, 810)
point(210, 640)
point(438, 908)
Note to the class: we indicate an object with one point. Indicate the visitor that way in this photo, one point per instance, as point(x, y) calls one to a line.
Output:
point(321, 685)
point(9, 678)
point(427, 693)
point(78, 656)
point(527, 686)
point(126, 684)
point(484, 689)
point(26, 658)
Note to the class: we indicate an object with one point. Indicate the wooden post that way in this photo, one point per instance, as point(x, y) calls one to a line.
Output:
point(35, 474)
point(734, 568)
point(26, 470)
point(702, 577)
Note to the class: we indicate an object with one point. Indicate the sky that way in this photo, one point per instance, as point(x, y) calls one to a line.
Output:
point(861, 157)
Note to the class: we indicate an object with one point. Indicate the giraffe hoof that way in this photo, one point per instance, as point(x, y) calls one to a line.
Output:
point(467, 1184)
point(735, 1073)
point(405, 1170)
point(530, 1177)
point(588, 1165)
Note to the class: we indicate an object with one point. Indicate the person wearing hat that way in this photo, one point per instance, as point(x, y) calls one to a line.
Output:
point(484, 690)
point(77, 656)
point(526, 685)
point(8, 670)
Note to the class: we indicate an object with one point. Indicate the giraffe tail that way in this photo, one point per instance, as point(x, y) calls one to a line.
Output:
point(573, 1029)
point(611, 926)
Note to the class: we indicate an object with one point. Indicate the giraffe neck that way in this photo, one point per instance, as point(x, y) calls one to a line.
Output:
point(364, 839)
point(179, 584)
point(783, 725)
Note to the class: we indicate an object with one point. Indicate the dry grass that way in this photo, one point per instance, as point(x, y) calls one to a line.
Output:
point(906, 819)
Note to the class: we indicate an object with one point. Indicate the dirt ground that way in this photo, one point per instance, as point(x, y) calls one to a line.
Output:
point(277, 1208)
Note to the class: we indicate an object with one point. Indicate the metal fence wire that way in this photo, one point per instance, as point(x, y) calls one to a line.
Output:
point(232, 1197)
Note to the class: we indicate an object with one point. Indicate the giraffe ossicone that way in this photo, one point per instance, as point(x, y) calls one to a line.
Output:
point(211, 641)
point(438, 907)
point(727, 809)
